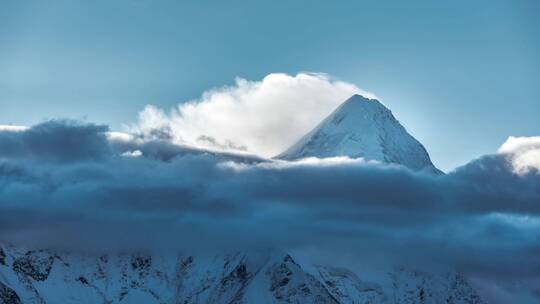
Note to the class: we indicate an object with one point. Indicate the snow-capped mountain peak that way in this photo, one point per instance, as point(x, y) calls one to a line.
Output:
point(362, 127)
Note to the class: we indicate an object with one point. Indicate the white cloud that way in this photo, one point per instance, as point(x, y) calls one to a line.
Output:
point(134, 153)
point(523, 152)
point(305, 162)
point(11, 128)
point(263, 117)
point(119, 136)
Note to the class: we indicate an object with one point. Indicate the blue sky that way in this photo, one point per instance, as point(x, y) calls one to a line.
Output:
point(461, 76)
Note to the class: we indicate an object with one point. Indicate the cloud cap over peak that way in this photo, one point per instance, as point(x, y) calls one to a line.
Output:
point(263, 117)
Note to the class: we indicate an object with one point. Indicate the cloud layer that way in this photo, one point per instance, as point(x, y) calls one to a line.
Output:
point(77, 186)
point(261, 117)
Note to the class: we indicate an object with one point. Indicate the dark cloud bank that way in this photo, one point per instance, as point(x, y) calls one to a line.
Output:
point(64, 184)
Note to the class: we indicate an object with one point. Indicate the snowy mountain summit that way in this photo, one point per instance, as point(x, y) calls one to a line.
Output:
point(362, 127)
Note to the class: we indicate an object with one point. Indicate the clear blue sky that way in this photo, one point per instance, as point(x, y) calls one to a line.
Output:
point(460, 75)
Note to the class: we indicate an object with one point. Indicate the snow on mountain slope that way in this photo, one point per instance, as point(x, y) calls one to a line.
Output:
point(410, 287)
point(346, 286)
point(243, 277)
point(362, 127)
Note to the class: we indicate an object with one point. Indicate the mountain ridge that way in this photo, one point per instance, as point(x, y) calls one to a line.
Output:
point(273, 276)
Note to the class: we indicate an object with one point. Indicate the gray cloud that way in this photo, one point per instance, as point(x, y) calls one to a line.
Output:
point(64, 184)
point(57, 140)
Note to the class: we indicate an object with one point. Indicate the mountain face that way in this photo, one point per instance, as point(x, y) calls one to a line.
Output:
point(362, 127)
point(243, 277)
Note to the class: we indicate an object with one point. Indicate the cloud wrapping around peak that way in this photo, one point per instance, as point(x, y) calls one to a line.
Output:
point(262, 117)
